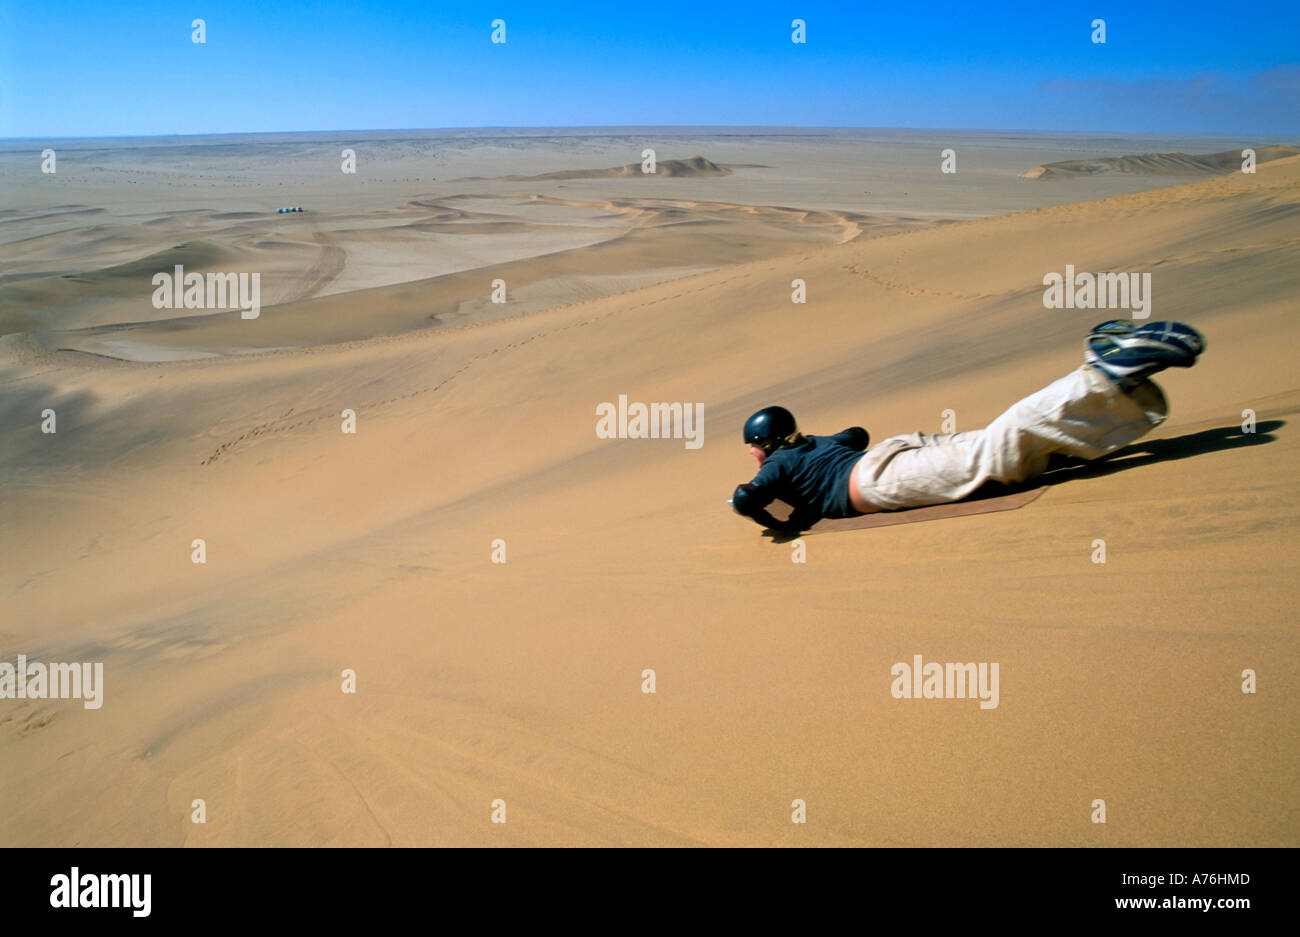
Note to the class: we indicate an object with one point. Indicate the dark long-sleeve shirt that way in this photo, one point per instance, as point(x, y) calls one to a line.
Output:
point(812, 477)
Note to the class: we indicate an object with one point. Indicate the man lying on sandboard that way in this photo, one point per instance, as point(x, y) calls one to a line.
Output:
point(1105, 404)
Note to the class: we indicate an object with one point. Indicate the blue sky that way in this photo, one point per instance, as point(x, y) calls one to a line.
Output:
point(108, 68)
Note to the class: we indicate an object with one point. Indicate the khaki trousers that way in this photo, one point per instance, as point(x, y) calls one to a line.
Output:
point(1083, 414)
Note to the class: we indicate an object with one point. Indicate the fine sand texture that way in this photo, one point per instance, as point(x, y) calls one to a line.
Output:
point(522, 681)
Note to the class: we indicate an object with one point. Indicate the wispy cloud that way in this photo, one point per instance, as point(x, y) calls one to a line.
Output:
point(1234, 104)
point(1198, 84)
point(1283, 81)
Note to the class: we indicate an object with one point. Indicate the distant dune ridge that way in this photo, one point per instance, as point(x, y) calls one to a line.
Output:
point(691, 166)
point(1159, 164)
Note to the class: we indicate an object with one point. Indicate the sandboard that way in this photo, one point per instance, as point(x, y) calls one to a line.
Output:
point(983, 505)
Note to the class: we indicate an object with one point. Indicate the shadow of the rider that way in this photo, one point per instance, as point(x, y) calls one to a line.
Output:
point(1150, 451)
point(780, 536)
point(1145, 452)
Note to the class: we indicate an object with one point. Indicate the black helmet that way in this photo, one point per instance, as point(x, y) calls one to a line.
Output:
point(770, 428)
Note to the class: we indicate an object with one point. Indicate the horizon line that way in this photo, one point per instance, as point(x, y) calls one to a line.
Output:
point(623, 127)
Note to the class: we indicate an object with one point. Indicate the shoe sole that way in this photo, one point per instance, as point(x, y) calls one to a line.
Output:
point(1125, 351)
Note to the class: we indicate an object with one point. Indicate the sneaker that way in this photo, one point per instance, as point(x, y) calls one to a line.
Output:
point(1126, 352)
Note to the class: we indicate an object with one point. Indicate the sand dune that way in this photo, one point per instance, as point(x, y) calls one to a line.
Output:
point(633, 242)
point(1159, 164)
point(522, 681)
